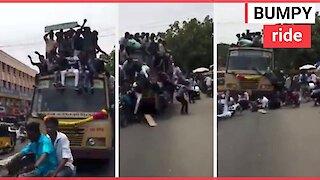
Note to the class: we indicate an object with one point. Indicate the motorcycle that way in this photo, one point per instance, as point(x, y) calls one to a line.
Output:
point(196, 92)
point(306, 91)
point(14, 165)
point(292, 98)
point(315, 94)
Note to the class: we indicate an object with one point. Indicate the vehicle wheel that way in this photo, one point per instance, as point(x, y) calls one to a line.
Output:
point(239, 108)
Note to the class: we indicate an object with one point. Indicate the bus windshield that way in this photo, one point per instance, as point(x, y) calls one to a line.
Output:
point(250, 60)
point(47, 98)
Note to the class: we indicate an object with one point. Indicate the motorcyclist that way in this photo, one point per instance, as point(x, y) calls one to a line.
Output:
point(41, 146)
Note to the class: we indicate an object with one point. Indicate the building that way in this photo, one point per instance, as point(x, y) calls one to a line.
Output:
point(16, 85)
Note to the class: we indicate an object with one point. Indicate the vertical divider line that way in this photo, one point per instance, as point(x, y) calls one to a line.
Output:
point(246, 13)
point(117, 130)
point(215, 65)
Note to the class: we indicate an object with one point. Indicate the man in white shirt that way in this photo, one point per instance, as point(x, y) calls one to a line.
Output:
point(145, 70)
point(313, 77)
point(208, 82)
point(62, 145)
point(51, 45)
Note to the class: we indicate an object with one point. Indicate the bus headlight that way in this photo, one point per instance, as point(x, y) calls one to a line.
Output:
point(91, 142)
point(96, 141)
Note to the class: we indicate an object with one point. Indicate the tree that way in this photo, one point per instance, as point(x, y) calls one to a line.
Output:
point(109, 61)
point(191, 42)
point(294, 58)
point(222, 54)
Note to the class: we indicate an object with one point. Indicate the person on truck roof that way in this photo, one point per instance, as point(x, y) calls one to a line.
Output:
point(74, 68)
point(95, 42)
point(124, 40)
point(88, 46)
point(51, 45)
point(123, 55)
point(77, 43)
point(62, 146)
point(67, 45)
point(59, 36)
point(42, 65)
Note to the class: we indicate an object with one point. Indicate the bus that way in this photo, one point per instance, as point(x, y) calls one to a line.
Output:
point(245, 69)
point(90, 137)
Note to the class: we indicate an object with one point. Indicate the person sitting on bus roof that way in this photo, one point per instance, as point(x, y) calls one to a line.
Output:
point(77, 43)
point(51, 45)
point(67, 44)
point(87, 44)
point(78, 40)
point(59, 36)
point(95, 39)
point(42, 65)
point(62, 146)
point(75, 66)
point(124, 40)
point(137, 37)
point(86, 75)
point(123, 55)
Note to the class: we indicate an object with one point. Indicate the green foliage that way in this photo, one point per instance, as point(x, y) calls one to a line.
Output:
point(191, 42)
point(222, 53)
point(109, 61)
point(294, 58)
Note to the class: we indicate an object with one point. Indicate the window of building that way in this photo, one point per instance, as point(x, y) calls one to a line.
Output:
point(15, 87)
point(8, 69)
point(5, 84)
point(14, 71)
point(3, 67)
point(9, 85)
point(19, 73)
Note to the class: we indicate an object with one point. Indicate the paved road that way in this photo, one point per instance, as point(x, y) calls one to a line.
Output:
point(85, 168)
point(95, 168)
point(181, 145)
point(284, 142)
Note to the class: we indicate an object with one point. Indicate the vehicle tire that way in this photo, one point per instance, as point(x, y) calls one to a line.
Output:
point(239, 108)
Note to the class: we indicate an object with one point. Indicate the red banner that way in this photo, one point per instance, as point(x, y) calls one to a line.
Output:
point(287, 36)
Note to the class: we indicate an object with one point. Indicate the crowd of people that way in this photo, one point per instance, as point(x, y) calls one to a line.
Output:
point(249, 39)
point(72, 51)
point(146, 64)
point(288, 90)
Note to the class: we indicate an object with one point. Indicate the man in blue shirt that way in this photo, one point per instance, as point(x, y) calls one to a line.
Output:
point(43, 149)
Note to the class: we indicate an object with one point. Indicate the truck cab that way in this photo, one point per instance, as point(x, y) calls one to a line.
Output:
point(245, 71)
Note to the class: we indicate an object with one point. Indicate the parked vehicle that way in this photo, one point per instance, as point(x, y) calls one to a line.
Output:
point(7, 137)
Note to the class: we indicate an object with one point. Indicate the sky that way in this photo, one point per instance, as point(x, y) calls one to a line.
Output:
point(155, 17)
point(23, 25)
point(230, 21)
